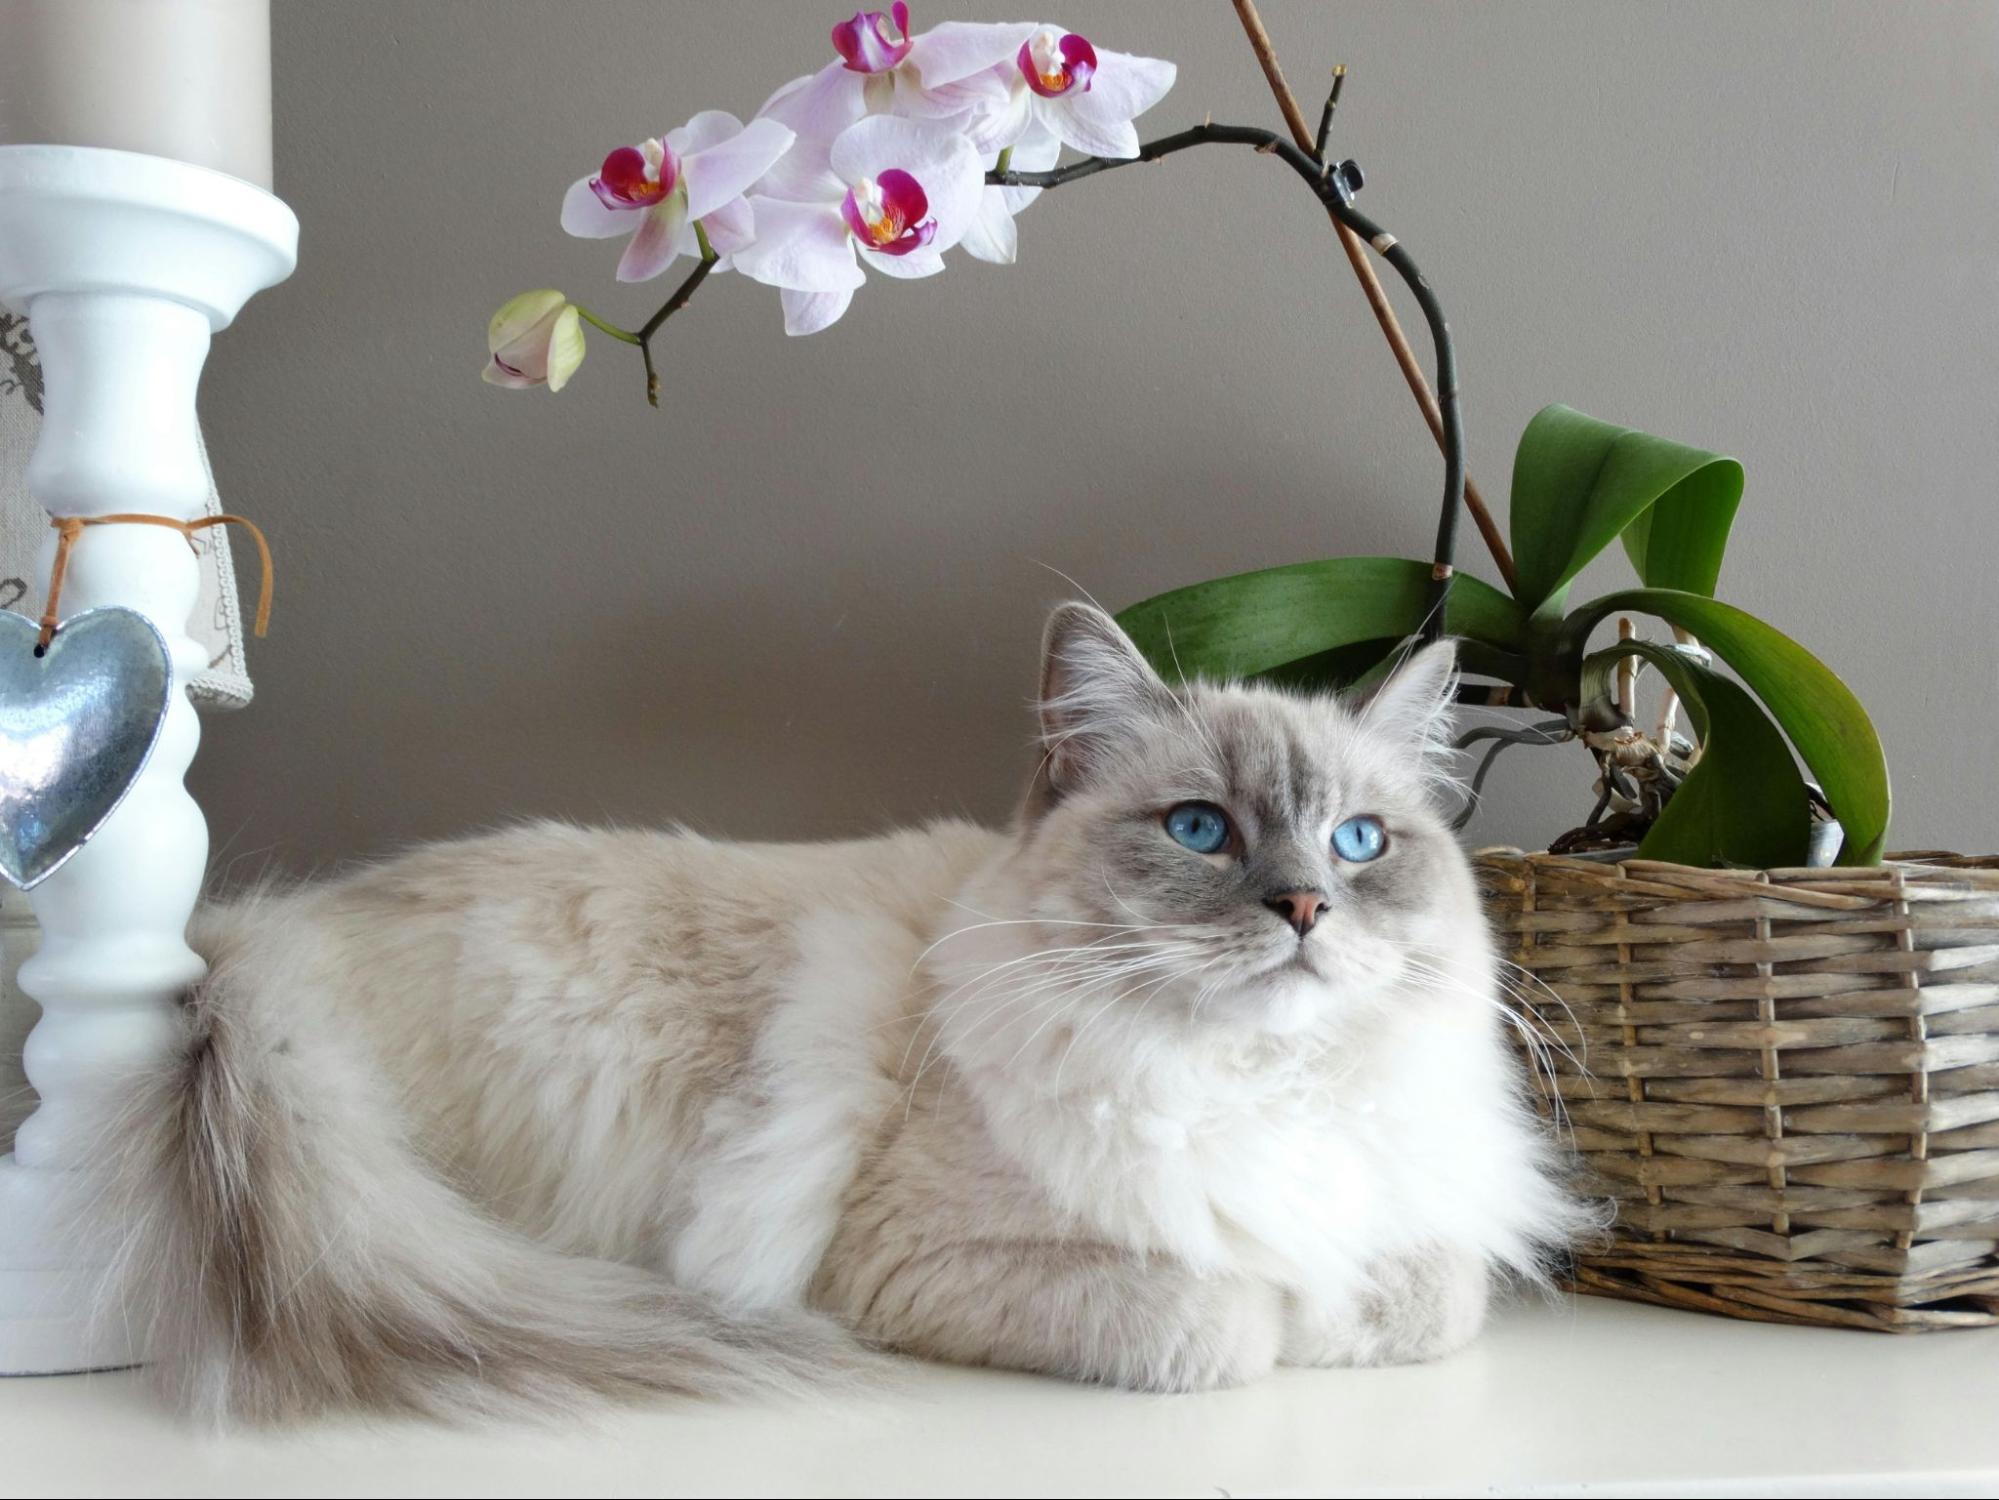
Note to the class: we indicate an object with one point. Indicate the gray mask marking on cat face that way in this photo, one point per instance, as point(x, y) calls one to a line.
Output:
point(1278, 908)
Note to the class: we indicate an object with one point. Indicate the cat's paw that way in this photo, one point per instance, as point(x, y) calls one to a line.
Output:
point(1216, 1334)
point(1414, 1308)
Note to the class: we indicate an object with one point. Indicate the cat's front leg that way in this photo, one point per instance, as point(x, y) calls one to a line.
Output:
point(1081, 1310)
point(1413, 1308)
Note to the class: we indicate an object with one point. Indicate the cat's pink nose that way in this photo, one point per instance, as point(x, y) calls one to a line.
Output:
point(1300, 908)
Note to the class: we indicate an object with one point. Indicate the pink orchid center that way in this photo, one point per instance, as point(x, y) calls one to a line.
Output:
point(873, 42)
point(637, 176)
point(886, 213)
point(1055, 63)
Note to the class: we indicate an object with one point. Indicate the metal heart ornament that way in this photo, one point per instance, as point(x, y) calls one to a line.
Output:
point(77, 726)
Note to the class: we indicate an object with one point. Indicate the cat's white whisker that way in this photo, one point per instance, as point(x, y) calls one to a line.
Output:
point(1093, 971)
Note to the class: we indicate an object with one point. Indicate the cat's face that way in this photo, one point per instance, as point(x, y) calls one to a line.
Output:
point(1237, 855)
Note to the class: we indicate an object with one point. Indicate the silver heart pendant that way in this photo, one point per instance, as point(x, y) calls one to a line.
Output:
point(76, 728)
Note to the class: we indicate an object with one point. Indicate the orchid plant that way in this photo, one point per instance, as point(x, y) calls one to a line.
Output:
point(905, 146)
point(1729, 795)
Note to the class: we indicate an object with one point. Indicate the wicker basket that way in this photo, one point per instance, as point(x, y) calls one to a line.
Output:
point(1788, 1080)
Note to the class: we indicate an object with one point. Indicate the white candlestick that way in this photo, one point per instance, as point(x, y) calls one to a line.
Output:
point(125, 265)
point(187, 79)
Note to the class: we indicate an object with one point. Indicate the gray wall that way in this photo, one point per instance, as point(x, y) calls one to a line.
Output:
point(803, 599)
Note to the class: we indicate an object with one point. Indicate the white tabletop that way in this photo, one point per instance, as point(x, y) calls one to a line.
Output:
point(1589, 1397)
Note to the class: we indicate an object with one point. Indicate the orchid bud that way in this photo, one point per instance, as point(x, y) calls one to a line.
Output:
point(535, 339)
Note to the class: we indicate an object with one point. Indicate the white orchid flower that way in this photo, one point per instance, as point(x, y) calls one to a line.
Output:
point(658, 190)
point(896, 194)
point(992, 236)
point(1085, 95)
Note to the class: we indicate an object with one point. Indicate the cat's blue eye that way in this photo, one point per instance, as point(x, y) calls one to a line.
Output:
point(1200, 826)
point(1360, 839)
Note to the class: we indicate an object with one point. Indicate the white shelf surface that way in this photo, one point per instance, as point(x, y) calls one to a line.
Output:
point(1584, 1397)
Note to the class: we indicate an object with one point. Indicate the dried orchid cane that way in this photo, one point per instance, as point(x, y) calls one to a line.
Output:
point(1363, 269)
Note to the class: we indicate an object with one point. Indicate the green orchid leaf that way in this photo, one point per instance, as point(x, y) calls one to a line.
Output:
point(1819, 713)
point(1365, 664)
point(1303, 618)
point(1580, 484)
point(1340, 667)
point(1743, 803)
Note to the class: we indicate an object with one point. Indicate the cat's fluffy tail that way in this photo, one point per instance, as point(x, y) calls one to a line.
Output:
point(291, 1253)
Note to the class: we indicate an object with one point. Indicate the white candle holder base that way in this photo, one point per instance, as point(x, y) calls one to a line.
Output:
point(125, 265)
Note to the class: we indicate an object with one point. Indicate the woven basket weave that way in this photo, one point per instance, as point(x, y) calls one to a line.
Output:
point(1788, 1080)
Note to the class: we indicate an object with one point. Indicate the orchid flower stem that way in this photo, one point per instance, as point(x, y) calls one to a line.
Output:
point(673, 305)
point(1370, 285)
point(1334, 186)
point(652, 375)
point(1005, 160)
point(1326, 115)
point(623, 335)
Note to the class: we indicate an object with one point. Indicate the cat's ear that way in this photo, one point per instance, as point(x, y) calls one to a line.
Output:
point(1417, 703)
point(1097, 693)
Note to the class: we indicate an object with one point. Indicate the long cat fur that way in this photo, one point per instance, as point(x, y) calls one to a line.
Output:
point(550, 1115)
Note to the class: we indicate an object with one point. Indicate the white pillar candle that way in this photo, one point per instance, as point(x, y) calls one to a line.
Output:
point(186, 79)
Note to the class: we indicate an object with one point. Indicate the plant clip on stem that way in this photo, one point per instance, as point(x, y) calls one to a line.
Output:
point(1334, 186)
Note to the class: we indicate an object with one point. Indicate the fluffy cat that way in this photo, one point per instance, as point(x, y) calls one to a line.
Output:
point(1197, 1070)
